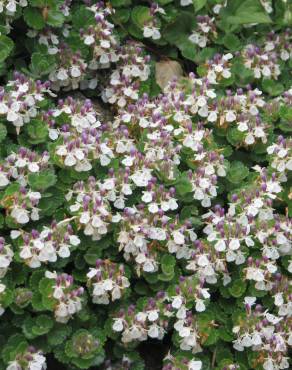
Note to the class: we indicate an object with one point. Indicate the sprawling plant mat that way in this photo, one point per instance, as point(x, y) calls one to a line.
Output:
point(145, 184)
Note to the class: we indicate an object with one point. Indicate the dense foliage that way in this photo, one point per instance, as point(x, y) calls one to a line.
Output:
point(145, 184)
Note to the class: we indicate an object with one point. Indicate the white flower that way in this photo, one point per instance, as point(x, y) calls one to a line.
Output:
point(256, 339)
point(234, 244)
point(153, 315)
point(118, 325)
point(269, 364)
point(64, 251)
point(74, 240)
point(242, 126)
point(62, 74)
point(89, 40)
point(200, 306)
point(195, 365)
point(153, 208)
point(152, 32)
point(20, 215)
point(220, 246)
point(116, 293)
point(186, 2)
point(3, 180)
point(70, 160)
point(279, 299)
point(249, 139)
point(153, 331)
point(147, 197)
point(250, 300)
point(230, 116)
point(273, 319)
point(108, 284)
point(178, 237)
point(177, 302)
point(149, 266)
point(14, 365)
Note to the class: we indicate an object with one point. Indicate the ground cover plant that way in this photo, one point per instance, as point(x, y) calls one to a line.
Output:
point(145, 184)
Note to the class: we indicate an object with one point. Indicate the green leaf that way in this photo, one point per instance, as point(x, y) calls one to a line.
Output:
point(231, 42)
point(42, 180)
point(3, 132)
point(50, 204)
point(237, 172)
point(188, 50)
point(37, 303)
point(92, 255)
point(42, 64)
point(121, 16)
point(55, 18)
point(183, 185)
point(37, 131)
point(213, 337)
point(39, 3)
point(234, 136)
point(286, 113)
point(249, 11)
point(225, 335)
point(237, 288)
point(167, 264)
point(120, 3)
point(33, 18)
point(42, 325)
point(166, 277)
point(272, 87)
point(199, 4)
point(285, 126)
point(164, 2)
point(6, 46)
point(82, 18)
point(59, 334)
point(140, 15)
point(179, 30)
point(243, 75)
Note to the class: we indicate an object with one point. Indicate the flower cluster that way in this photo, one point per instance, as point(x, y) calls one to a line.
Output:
point(266, 334)
point(174, 362)
point(81, 116)
point(189, 292)
point(158, 199)
point(137, 324)
point(67, 300)
point(52, 242)
point(281, 156)
point(264, 63)
point(142, 232)
point(19, 101)
point(2, 290)
point(70, 70)
point(243, 109)
point(218, 68)
point(21, 205)
point(30, 359)
point(9, 7)
point(48, 38)
point(279, 43)
point(151, 25)
point(204, 32)
point(90, 208)
point(100, 38)
point(17, 166)
point(124, 82)
point(107, 281)
point(6, 256)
